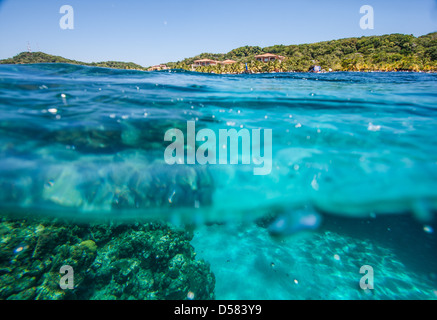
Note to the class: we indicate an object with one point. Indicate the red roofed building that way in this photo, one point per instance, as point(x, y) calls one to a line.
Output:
point(204, 62)
point(158, 67)
point(227, 62)
point(266, 57)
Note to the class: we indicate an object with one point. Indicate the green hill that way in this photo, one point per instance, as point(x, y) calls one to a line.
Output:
point(41, 57)
point(393, 52)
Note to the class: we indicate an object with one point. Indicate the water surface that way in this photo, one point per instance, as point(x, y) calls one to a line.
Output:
point(89, 142)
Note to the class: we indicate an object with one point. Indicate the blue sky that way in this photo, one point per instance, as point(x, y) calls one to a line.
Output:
point(150, 32)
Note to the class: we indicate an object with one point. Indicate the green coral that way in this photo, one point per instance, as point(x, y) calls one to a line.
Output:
point(90, 245)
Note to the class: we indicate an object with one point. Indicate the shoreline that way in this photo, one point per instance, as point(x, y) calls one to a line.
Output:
point(226, 73)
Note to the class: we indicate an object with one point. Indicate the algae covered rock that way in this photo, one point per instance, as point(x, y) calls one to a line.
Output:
point(141, 261)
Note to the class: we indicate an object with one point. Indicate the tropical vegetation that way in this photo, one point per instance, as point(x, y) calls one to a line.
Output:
point(393, 52)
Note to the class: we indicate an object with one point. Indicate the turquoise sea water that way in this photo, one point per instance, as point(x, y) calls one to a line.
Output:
point(357, 152)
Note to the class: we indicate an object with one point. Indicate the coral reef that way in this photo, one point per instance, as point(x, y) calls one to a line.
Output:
point(110, 261)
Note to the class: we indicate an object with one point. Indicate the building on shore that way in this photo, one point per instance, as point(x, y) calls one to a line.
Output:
point(158, 67)
point(267, 57)
point(209, 62)
point(227, 62)
point(204, 62)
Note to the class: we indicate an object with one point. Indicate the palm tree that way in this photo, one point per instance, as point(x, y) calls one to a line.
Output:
point(233, 68)
point(277, 66)
point(256, 66)
point(265, 67)
point(240, 67)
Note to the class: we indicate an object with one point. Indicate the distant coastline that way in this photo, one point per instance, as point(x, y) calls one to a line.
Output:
point(393, 52)
point(41, 57)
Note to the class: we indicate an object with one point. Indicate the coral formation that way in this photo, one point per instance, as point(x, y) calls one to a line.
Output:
point(138, 261)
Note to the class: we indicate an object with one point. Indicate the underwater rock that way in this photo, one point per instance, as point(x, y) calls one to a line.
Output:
point(124, 182)
point(141, 261)
point(89, 139)
point(114, 136)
